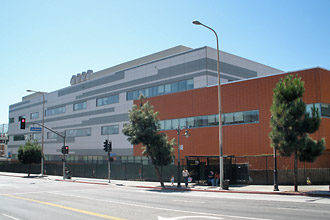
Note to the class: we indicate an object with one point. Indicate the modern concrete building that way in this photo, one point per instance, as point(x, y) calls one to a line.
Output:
point(95, 105)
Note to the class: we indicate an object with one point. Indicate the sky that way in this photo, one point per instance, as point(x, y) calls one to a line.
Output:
point(44, 42)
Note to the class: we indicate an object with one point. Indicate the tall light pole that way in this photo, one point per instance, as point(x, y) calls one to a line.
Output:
point(42, 129)
point(186, 134)
point(219, 108)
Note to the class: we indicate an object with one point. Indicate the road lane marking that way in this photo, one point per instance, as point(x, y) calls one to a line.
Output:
point(67, 208)
point(187, 201)
point(159, 208)
point(189, 217)
point(8, 216)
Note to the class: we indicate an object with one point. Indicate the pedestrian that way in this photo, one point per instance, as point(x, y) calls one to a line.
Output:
point(172, 180)
point(217, 178)
point(185, 175)
point(210, 179)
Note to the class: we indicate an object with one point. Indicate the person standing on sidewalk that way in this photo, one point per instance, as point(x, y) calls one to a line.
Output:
point(185, 175)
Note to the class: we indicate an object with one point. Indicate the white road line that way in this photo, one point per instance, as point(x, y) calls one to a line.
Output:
point(305, 210)
point(187, 201)
point(159, 208)
point(8, 216)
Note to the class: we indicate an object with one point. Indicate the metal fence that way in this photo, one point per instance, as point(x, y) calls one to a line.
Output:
point(247, 169)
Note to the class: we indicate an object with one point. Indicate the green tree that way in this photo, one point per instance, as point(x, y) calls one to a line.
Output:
point(291, 124)
point(144, 129)
point(30, 153)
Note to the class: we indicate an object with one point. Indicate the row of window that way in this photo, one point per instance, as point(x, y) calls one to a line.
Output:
point(161, 89)
point(211, 120)
point(324, 109)
point(82, 132)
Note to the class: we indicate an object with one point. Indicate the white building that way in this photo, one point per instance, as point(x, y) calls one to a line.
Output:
point(95, 106)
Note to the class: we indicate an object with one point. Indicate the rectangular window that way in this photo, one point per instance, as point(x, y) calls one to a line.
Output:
point(175, 87)
point(51, 135)
point(238, 117)
point(168, 124)
point(112, 129)
point(79, 106)
point(175, 123)
point(55, 111)
point(228, 118)
point(190, 122)
point(183, 122)
point(36, 136)
point(161, 125)
point(34, 115)
point(129, 96)
point(168, 88)
point(251, 116)
point(183, 85)
point(19, 137)
point(11, 120)
point(161, 89)
point(78, 132)
point(212, 120)
point(190, 84)
point(325, 110)
point(108, 100)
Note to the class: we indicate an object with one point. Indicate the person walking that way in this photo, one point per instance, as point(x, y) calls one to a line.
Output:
point(185, 175)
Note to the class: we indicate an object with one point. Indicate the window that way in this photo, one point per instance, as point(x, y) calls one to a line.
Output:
point(79, 106)
point(78, 132)
point(325, 110)
point(251, 116)
point(51, 135)
point(190, 122)
point(109, 100)
point(161, 89)
point(19, 137)
point(168, 124)
point(36, 136)
point(34, 115)
point(245, 117)
point(162, 125)
point(11, 120)
point(228, 118)
point(55, 111)
point(112, 129)
point(238, 117)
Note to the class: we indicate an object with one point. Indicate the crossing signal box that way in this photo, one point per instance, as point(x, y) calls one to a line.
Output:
point(22, 121)
point(105, 145)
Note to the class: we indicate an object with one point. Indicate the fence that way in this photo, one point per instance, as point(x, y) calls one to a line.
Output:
point(247, 169)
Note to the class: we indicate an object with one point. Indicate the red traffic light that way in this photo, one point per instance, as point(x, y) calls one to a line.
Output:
point(22, 120)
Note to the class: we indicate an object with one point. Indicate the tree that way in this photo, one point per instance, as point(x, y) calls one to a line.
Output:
point(29, 153)
point(291, 124)
point(144, 129)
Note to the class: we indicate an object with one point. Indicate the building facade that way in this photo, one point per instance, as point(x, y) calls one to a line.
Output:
point(95, 106)
point(245, 115)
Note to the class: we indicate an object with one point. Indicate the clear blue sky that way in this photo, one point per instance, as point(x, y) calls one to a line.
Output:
point(45, 42)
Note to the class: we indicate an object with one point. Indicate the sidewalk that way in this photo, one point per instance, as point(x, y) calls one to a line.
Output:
point(304, 190)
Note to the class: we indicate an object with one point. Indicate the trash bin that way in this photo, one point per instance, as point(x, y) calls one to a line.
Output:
point(226, 184)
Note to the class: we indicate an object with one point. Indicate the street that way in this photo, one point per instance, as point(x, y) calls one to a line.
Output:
point(43, 198)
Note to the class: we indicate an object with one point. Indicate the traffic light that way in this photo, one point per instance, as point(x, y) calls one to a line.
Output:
point(110, 146)
point(22, 120)
point(105, 145)
point(65, 150)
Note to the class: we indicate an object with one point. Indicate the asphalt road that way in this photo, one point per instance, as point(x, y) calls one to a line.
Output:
point(34, 198)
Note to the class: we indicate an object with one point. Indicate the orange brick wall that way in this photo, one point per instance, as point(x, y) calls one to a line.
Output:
point(252, 94)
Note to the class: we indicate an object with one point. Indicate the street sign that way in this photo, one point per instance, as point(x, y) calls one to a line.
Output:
point(181, 147)
point(35, 129)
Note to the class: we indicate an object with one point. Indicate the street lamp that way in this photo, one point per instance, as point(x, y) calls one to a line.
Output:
point(275, 163)
point(186, 134)
point(219, 108)
point(42, 129)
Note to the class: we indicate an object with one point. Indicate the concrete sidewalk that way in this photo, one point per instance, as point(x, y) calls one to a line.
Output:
point(304, 190)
